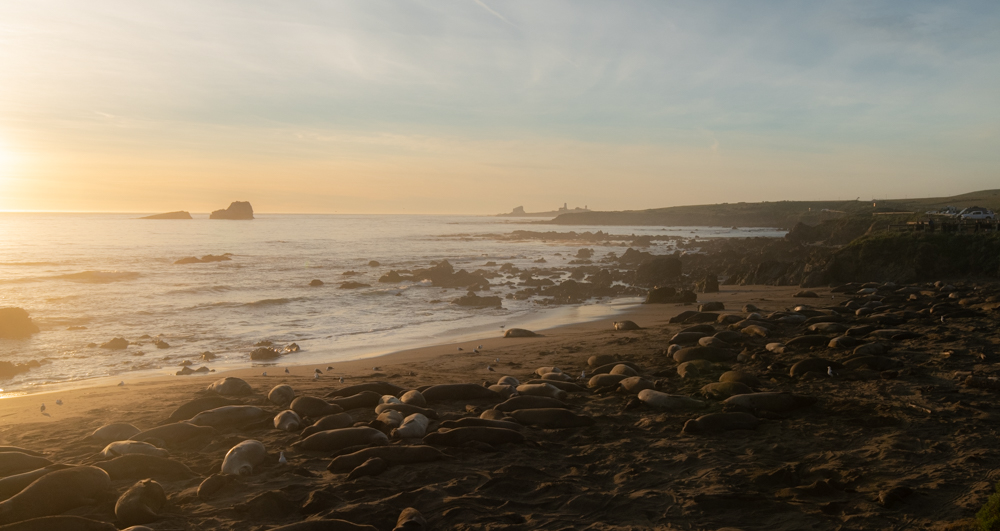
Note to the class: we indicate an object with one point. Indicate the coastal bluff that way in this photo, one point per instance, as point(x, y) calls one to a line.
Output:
point(238, 210)
point(180, 214)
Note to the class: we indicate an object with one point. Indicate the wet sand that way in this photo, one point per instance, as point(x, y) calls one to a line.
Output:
point(900, 443)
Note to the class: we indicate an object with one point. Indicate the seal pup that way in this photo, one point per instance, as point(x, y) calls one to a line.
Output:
point(228, 416)
point(721, 422)
point(141, 503)
point(15, 462)
point(56, 493)
point(175, 433)
point(241, 459)
point(543, 389)
point(662, 400)
point(288, 420)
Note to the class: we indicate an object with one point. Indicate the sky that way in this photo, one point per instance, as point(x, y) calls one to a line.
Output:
point(479, 106)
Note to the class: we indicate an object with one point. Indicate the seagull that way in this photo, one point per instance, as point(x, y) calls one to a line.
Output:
point(475, 350)
point(942, 318)
point(329, 367)
point(460, 349)
point(829, 370)
point(315, 376)
point(496, 360)
point(263, 373)
point(583, 374)
point(59, 402)
point(282, 460)
point(121, 383)
point(287, 371)
point(490, 369)
point(43, 408)
point(376, 369)
point(317, 371)
point(341, 379)
point(480, 347)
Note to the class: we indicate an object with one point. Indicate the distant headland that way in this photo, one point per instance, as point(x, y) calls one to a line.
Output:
point(180, 214)
point(237, 210)
point(519, 212)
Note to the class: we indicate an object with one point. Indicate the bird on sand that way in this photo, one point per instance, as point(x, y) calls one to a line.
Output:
point(490, 369)
point(341, 379)
point(496, 360)
point(263, 373)
point(43, 408)
point(475, 350)
point(121, 383)
point(282, 460)
point(480, 347)
point(287, 371)
point(329, 367)
point(315, 376)
point(460, 349)
point(59, 402)
point(830, 371)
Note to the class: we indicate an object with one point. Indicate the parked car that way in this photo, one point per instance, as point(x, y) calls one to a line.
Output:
point(978, 214)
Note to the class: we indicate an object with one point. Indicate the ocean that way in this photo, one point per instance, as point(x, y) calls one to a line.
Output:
point(88, 278)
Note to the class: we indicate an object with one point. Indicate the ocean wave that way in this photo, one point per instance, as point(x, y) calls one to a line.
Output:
point(201, 289)
point(28, 264)
point(272, 302)
point(99, 277)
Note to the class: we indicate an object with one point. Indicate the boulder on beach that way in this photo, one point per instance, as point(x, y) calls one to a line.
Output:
point(180, 214)
point(658, 270)
point(10, 370)
point(472, 300)
point(238, 210)
point(118, 343)
point(670, 296)
point(316, 283)
point(16, 324)
point(354, 285)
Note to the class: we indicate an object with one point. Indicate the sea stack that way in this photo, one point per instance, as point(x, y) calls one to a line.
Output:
point(180, 214)
point(236, 210)
point(15, 324)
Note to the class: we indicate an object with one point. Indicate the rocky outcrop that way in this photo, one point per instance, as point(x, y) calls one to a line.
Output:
point(9, 370)
point(118, 343)
point(180, 214)
point(658, 270)
point(667, 295)
point(441, 275)
point(354, 285)
point(475, 301)
point(238, 210)
point(16, 324)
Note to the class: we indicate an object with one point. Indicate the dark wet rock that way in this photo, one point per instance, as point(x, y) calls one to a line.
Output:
point(238, 210)
point(472, 300)
point(374, 263)
point(208, 258)
point(265, 353)
point(392, 277)
point(9, 370)
point(667, 295)
point(16, 324)
point(658, 270)
point(354, 285)
point(118, 343)
point(315, 283)
point(159, 343)
point(709, 285)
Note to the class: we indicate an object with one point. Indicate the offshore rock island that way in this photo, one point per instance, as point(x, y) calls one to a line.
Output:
point(238, 210)
point(519, 212)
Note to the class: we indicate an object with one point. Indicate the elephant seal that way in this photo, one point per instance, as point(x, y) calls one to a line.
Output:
point(472, 421)
point(520, 332)
point(546, 370)
point(228, 416)
point(551, 418)
point(410, 520)
point(141, 503)
point(176, 433)
point(382, 388)
point(665, 401)
point(569, 387)
point(544, 389)
point(413, 427)
point(281, 395)
point(505, 391)
point(557, 376)
point(191, 408)
point(11, 485)
point(508, 380)
point(461, 391)
point(414, 398)
point(694, 368)
point(138, 466)
point(119, 431)
point(330, 422)
point(721, 422)
point(623, 326)
point(769, 401)
point(704, 353)
point(56, 493)
point(687, 338)
point(624, 370)
point(371, 467)
point(724, 390)
point(325, 525)
point(744, 378)
point(605, 380)
point(818, 365)
point(530, 402)
point(231, 386)
point(462, 436)
point(312, 407)
point(600, 359)
point(606, 368)
point(389, 399)
point(406, 409)
point(213, 484)
point(364, 399)
point(387, 421)
point(59, 523)
point(492, 414)
point(241, 459)
point(15, 462)
point(394, 455)
point(634, 384)
point(4, 449)
point(288, 420)
point(119, 448)
point(334, 440)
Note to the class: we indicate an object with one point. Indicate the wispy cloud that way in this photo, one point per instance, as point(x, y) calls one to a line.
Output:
point(494, 13)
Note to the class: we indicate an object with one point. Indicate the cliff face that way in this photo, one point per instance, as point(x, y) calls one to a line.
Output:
point(236, 210)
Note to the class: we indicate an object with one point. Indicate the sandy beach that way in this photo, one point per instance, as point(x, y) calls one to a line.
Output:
point(894, 441)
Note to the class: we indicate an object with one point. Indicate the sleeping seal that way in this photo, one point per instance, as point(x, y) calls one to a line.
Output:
point(141, 503)
point(60, 523)
point(119, 431)
point(15, 462)
point(228, 416)
point(138, 466)
point(118, 448)
point(333, 440)
point(287, 420)
point(11, 485)
point(413, 426)
point(281, 395)
point(56, 493)
point(241, 459)
point(661, 400)
point(312, 407)
point(331, 422)
point(231, 387)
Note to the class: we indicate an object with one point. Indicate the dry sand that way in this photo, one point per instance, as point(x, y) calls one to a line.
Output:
point(825, 466)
